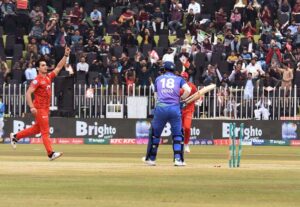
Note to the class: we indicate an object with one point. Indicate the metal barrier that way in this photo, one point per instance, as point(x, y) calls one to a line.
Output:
point(90, 101)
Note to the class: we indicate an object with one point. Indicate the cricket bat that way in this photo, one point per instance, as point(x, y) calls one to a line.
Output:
point(199, 93)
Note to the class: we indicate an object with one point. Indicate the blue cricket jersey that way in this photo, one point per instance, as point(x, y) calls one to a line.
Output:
point(168, 87)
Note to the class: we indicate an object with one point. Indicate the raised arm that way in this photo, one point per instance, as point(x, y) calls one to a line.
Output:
point(62, 62)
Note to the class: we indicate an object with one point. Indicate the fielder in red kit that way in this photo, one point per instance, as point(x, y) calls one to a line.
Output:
point(39, 107)
point(187, 114)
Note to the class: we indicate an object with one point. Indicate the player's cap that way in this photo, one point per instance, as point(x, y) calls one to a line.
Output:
point(185, 75)
point(169, 65)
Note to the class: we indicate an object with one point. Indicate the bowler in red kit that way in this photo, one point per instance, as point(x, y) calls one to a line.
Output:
point(187, 114)
point(39, 107)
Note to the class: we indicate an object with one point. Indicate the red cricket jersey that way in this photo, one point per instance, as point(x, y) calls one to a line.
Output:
point(191, 106)
point(42, 93)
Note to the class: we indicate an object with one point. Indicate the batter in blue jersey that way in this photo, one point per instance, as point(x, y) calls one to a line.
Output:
point(167, 93)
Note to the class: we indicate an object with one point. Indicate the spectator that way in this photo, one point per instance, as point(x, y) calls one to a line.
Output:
point(128, 39)
point(245, 55)
point(255, 69)
point(187, 46)
point(266, 16)
point(251, 47)
point(8, 12)
point(266, 31)
point(249, 87)
point(130, 80)
point(61, 38)
point(175, 18)
point(232, 59)
point(147, 38)
point(37, 30)
point(296, 9)
point(236, 77)
point(169, 56)
point(51, 27)
point(90, 47)
point(126, 19)
point(30, 73)
point(76, 15)
point(103, 50)
point(250, 14)
point(236, 21)
point(8, 8)
point(148, 5)
point(219, 47)
point(115, 86)
point(97, 82)
point(235, 45)
point(157, 20)
point(268, 81)
point(20, 64)
point(45, 48)
point(114, 66)
point(287, 77)
point(285, 8)
point(195, 6)
point(96, 16)
point(228, 38)
point(274, 54)
point(210, 75)
point(277, 32)
point(37, 14)
point(185, 59)
point(248, 29)
point(76, 37)
point(221, 19)
point(293, 27)
point(297, 37)
point(143, 20)
point(274, 73)
point(82, 66)
point(144, 77)
point(190, 22)
point(260, 52)
point(4, 69)
point(77, 48)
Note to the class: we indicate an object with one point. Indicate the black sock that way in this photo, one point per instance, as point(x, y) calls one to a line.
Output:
point(50, 155)
point(15, 138)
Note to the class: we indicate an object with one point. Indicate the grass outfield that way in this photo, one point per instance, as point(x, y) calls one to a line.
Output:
point(107, 175)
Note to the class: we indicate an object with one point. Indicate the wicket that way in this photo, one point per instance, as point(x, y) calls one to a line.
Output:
point(235, 153)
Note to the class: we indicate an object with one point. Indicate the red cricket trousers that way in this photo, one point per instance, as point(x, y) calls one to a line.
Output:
point(41, 126)
point(187, 117)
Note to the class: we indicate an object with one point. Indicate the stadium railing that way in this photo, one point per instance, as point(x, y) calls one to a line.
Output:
point(90, 101)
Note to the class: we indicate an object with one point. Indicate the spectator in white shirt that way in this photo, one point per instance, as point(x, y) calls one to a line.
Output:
point(169, 56)
point(195, 6)
point(96, 16)
point(254, 68)
point(82, 66)
point(30, 73)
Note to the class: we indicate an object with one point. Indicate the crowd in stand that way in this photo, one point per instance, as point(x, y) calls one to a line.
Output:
point(126, 42)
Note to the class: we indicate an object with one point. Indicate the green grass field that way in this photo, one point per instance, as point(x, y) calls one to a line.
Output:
point(106, 175)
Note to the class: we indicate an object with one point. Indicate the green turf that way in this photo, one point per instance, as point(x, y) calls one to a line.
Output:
point(90, 175)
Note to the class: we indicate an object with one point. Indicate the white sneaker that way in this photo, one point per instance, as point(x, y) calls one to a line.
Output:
point(187, 148)
point(148, 162)
point(55, 155)
point(13, 141)
point(179, 163)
